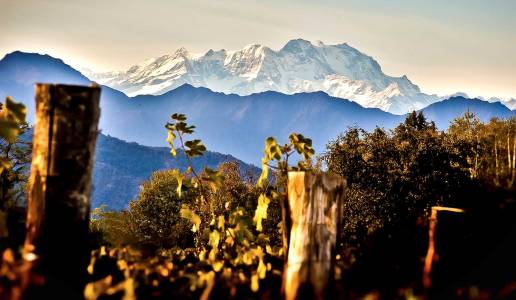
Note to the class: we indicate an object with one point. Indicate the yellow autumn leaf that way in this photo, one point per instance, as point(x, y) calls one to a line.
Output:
point(4, 164)
point(213, 255)
point(261, 270)
point(220, 224)
point(202, 255)
point(179, 177)
point(262, 181)
point(217, 266)
point(230, 241)
point(255, 283)
point(214, 239)
point(190, 215)
point(261, 211)
point(94, 290)
point(170, 139)
point(207, 279)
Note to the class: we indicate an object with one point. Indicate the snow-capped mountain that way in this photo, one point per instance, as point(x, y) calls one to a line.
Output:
point(300, 66)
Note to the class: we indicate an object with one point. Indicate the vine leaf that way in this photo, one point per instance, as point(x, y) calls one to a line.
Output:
point(190, 215)
point(179, 177)
point(195, 148)
point(170, 139)
point(302, 145)
point(12, 115)
point(213, 178)
point(261, 211)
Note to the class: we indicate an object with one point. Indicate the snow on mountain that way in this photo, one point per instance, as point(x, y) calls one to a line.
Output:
point(300, 66)
point(509, 102)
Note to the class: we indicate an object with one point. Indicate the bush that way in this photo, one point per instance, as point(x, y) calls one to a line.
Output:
point(155, 213)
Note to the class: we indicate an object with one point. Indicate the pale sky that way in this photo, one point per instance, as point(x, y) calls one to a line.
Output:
point(443, 46)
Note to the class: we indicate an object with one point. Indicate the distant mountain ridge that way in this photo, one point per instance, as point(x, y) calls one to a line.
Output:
point(300, 66)
point(443, 112)
point(226, 123)
point(120, 168)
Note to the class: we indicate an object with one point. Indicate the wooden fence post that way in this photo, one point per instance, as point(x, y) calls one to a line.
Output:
point(430, 255)
point(60, 185)
point(315, 205)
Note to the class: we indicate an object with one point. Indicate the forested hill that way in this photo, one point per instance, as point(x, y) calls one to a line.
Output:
point(120, 167)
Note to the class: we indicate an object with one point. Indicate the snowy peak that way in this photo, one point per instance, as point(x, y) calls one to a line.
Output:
point(299, 66)
point(297, 46)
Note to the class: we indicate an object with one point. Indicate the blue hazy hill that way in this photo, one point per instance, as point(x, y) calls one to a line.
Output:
point(444, 111)
point(120, 168)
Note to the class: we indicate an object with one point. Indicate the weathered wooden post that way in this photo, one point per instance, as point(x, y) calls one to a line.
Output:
point(60, 184)
point(315, 205)
point(430, 255)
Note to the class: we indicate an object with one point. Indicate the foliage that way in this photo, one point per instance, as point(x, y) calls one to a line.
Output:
point(226, 236)
point(280, 154)
point(395, 177)
point(178, 273)
point(113, 228)
point(13, 180)
point(490, 149)
point(14, 163)
point(207, 210)
point(213, 233)
point(12, 116)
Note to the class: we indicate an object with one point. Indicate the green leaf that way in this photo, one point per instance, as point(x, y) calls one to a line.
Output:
point(184, 128)
point(302, 145)
point(17, 110)
point(9, 129)
point(272, 149)
point(196, 148)
point(170, 126)
point(178, 117)
point(12, 115)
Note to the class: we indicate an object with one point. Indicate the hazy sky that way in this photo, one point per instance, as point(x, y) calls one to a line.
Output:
point(443, 46)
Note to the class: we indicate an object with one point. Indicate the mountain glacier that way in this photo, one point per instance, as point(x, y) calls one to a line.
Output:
point(300, 66)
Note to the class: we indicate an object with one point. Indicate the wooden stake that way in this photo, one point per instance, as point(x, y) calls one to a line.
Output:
point(430, 255)
point(315, 205)
point(60, 184)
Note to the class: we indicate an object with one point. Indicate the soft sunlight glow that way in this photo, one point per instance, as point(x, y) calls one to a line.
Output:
point(444, 47)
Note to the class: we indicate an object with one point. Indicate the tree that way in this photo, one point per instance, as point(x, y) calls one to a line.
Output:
point(395, 177)
point(490, 148)
point(156, 212)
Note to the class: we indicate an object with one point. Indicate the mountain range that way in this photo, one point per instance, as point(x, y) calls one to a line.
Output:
point(300, 66)
point(227, 123)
